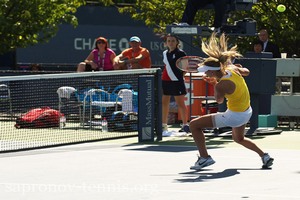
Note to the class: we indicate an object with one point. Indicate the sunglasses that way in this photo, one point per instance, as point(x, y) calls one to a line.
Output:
point(100, 42)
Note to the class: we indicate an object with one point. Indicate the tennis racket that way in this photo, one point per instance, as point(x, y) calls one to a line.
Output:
point(189, 63)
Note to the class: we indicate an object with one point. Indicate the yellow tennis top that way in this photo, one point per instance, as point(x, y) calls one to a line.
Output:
point(239, 100)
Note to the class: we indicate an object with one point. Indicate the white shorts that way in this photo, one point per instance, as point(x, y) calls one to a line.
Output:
point(231, 119)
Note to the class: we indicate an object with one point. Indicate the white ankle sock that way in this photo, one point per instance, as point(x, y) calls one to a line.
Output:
point(165, 127)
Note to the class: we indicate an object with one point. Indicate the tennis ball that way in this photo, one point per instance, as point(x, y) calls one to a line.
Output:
point(281, 8)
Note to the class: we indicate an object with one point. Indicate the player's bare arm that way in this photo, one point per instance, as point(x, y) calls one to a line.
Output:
point(239, 69)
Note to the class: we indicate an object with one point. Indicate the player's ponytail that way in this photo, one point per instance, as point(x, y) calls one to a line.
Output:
point(217, 50)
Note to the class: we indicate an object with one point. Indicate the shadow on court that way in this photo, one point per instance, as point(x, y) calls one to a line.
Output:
point(203, 175)
point(164, 148)
point(183, 144)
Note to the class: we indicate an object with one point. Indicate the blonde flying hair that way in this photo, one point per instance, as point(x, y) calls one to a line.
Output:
point(218, 53)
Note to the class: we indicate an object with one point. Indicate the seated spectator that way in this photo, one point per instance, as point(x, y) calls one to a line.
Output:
point(269, 46)
point(100, 58)
point(258, 46)
point(135, 57)
point(35, 67)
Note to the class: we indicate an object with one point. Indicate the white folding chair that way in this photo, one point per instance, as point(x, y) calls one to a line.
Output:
point(97, 98)
point(6, 97)
point(67, 97)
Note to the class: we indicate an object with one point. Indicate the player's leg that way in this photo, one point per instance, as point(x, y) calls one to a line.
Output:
point(165, 111)
point(196, 126)
point(182, 109)
point(238, 137)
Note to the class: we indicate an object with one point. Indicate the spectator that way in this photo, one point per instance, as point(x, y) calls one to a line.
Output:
point(173, 83)
point(192, 6)
point(258, 46)
point(135, 57)
point(100, 58)
point(35, 67)
point(268, 45)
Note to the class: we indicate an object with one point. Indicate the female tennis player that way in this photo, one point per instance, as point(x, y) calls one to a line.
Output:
point(228, 83)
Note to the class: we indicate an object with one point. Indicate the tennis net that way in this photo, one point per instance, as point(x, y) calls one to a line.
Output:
point(79, 103)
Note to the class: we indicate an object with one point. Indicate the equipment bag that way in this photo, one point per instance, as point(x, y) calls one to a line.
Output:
point(124, 121)
point(44, 117)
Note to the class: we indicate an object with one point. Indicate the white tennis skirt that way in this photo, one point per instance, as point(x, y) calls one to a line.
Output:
point(231, 119)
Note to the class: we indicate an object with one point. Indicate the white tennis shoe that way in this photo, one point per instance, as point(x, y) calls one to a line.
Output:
point(202, 162)
point(267, 161)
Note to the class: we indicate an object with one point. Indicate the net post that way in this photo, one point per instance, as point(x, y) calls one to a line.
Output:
point(158, 106)
point(146, 108)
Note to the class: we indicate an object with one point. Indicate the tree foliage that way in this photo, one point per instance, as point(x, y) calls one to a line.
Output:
point(24, 22)
point(284, 28)
point(28, 22)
